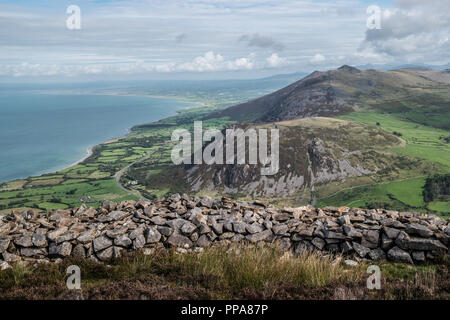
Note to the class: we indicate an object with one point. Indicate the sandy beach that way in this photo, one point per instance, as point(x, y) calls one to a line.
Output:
point(88, 154)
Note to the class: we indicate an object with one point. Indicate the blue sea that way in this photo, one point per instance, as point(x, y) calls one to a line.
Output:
point(41, 133)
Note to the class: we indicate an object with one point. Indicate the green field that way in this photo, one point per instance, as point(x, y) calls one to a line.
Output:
point(409, 191)
point(423, 142)
point(403, 195)
point(61, 196)
point(440, 206)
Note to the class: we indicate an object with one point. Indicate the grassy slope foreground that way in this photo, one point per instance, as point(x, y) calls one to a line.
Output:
point(236, 272)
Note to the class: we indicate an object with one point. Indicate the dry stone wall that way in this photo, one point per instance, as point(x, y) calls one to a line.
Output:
point(193, 223)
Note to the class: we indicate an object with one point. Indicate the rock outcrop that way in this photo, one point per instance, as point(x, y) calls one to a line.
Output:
point(312, 152)
point(193, 223)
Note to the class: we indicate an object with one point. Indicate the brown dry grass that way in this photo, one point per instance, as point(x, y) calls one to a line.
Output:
point(237, 272)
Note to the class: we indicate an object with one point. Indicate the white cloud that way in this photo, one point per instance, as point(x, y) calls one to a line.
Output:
point(318, 58)
point(213, 62)
point(274, 61)
point(240, 64)
point(142, 36)
point(206, 63)
point(413, 31)
point(168, 35)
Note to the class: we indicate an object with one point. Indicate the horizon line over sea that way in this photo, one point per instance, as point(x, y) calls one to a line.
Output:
point(43, 133)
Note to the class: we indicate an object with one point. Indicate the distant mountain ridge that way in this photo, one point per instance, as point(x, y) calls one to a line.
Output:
point(316, 149)
point(336, 92)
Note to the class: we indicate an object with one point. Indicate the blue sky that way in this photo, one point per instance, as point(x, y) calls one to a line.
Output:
point(219, 38)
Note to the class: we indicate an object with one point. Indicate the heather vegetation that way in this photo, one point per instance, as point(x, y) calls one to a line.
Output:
point(225, 273)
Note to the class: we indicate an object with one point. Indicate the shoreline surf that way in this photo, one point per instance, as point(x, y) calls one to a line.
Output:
point(90, 150)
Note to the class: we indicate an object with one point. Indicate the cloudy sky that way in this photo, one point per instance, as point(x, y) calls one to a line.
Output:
point(223, 38)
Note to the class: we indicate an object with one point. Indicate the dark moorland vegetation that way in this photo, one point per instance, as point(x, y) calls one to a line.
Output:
point(262, 272)
point(437, 187)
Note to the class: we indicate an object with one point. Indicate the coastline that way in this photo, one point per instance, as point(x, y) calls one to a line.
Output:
point(89, 151)
point(197, 104)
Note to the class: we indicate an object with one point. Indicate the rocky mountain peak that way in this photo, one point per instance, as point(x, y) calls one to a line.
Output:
point(350, 69)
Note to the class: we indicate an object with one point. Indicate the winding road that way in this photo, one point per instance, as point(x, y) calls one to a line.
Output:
point(119, 174)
